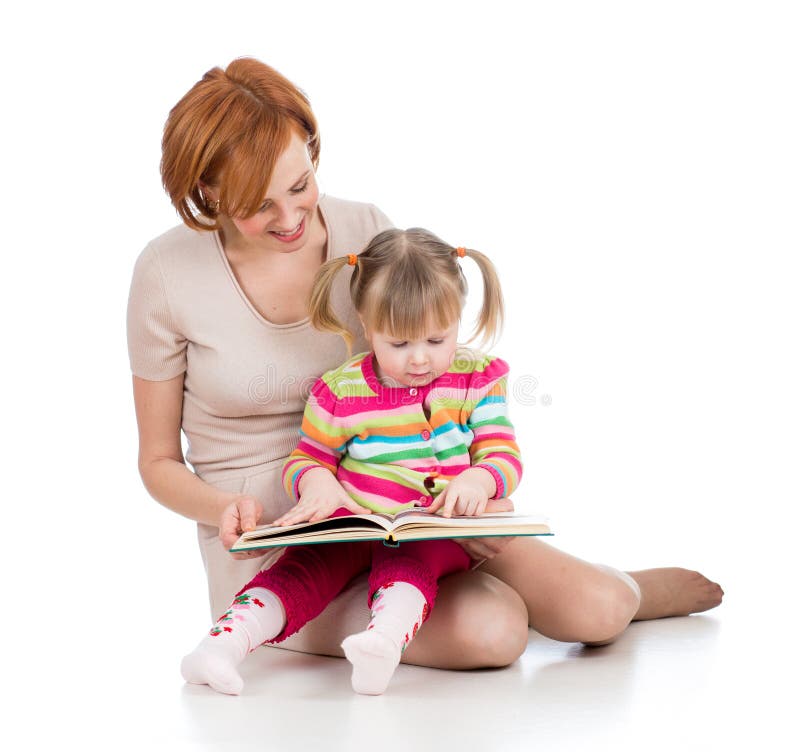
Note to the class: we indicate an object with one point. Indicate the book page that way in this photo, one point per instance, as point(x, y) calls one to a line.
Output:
point(355, 521)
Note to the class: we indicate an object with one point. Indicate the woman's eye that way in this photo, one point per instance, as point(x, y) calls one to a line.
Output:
point(300, 189)
point(264, 206)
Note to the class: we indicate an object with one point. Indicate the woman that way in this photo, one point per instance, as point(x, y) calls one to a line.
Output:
point(221, 348)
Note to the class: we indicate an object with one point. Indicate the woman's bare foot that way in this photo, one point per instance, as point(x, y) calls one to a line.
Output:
point(672, 591)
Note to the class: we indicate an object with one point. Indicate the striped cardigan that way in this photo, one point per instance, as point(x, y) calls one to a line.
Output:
point(397, 448)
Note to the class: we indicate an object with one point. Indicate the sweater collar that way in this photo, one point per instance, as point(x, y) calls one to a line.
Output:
point(398, 394)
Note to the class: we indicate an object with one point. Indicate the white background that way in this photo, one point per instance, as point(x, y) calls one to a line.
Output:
point(631, 167)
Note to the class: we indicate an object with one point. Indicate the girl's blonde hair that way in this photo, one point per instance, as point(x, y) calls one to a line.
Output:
point(404, 281)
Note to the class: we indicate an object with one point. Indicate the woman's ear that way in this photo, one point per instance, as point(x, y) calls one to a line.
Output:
point(208, 193)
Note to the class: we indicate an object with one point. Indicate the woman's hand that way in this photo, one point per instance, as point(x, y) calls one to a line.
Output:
point(320, 496)
point(487, 548)
point(241, 515)
point(483, 548)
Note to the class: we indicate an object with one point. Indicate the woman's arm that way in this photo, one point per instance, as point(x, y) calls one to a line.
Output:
point(159, 405)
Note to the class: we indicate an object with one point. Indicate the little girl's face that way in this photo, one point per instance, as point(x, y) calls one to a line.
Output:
point(413, 362)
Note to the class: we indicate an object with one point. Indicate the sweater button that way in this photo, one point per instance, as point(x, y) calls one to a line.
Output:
point(426, 434)
point(412, 392)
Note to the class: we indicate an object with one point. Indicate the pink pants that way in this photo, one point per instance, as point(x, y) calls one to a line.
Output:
point(308, 578)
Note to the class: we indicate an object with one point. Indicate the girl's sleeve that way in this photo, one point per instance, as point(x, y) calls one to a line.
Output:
point(494, 446)
point(156, 347)
point(322, 438)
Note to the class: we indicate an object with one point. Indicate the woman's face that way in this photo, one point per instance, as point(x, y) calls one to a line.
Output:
point(282, 222)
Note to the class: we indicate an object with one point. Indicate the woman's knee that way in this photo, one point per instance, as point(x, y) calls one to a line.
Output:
point(492, 624)
point(608, 608)
point(477, 622)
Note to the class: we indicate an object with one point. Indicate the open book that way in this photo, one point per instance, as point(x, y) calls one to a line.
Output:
point(405, 526)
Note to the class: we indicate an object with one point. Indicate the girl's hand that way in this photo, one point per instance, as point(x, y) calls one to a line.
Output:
point(241, 515)
point(320, 496)
point(467, 494)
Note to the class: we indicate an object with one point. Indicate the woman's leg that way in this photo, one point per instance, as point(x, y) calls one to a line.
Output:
point(574, 601)
point(478, 622)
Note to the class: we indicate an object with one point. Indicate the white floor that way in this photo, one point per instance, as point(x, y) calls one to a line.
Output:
point(687, 683)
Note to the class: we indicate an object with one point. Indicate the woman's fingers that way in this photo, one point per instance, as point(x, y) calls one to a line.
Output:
point(475, 548)
point(247, 554)
point(250, 513)
point(484, 548)
point(227, 530)
point(230, 526)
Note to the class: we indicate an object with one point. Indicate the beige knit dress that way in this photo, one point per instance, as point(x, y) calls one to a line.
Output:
point(245, 383)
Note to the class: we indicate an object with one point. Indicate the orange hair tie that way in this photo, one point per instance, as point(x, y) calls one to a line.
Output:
point(351, 259)
point(461, 252)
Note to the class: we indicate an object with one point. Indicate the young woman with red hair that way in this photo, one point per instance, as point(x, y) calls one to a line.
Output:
point(221, 347)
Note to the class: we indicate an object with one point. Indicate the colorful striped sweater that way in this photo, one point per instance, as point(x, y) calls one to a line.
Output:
point(397, 448)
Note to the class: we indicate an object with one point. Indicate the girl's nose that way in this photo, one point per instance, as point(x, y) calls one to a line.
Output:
point(419, 355)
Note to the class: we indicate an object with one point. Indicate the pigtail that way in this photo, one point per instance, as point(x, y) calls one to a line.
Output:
point(320, 310)
point(490, 319)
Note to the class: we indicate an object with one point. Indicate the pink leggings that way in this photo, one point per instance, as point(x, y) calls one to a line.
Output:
point(308, 578)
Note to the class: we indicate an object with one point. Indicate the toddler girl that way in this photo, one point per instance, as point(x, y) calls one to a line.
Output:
point(416, 423)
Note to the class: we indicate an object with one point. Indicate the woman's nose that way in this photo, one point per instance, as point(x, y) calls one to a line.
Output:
point(286, 215)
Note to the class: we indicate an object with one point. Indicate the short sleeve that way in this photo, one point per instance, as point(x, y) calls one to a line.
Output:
point(156, 348)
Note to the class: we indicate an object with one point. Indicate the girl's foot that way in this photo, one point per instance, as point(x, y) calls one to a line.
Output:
point(374, 657)
point(672, 591)
point(206, 666)
point(255, 615)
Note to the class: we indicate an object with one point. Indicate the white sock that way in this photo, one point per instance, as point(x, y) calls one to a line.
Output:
point(397, 613)
point(254, 616)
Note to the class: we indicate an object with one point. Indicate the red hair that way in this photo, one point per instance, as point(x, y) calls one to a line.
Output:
point(227, 132)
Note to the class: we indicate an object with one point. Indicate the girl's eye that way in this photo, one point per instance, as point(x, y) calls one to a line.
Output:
point(398, 344)
point(299, 189)
point(435, 341)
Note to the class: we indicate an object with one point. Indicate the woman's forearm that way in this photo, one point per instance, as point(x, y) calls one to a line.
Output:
point(175, 486)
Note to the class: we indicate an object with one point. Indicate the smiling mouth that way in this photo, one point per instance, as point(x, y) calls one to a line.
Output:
point(289, 235)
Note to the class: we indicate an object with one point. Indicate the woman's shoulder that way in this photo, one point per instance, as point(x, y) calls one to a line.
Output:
point(352, 224)
point(177, 247)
